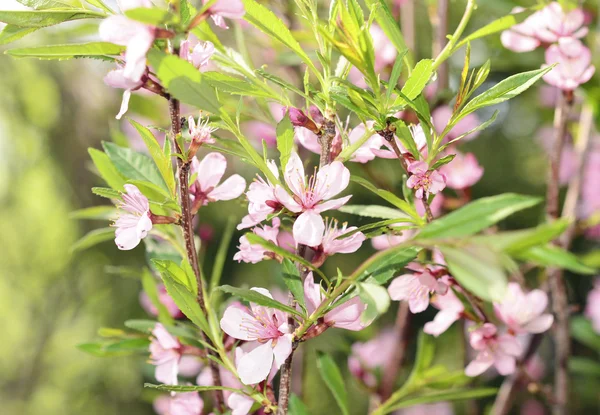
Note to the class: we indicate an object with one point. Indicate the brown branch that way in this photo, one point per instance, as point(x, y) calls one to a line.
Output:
point(188, 234)
point(401, 328)
point(325, 139)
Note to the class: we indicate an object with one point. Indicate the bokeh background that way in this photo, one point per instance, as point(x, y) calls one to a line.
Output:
point(55, 294)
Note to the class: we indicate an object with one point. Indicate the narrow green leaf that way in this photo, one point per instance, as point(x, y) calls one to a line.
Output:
point(583, 331)
point(258, 298)
point(418, 79)
point(386, 21)
point(93, 238)
point(282, 252)
point(162, 160)
point(285, 140)
point(35, 18)
point(107, 169)
point(333, 379)
point(223, 82)
point(95, 213)
point(498, 25)
point(106, 192)
point(554, 256)
point(384, 265)
point(151, 290)
point(477, 216)
point(584, 366)
point(183, 81)
point(443, 161)
point(69, 51)
point(47, 4)
point(376, 211)
point(444, 396)
point(267, 22)
point(10, 33)
point(151, 15)
point(135, 166)
point(176, 272)
point(188, 388)
point(376, 298)
point(296, 406)
point(221, 257)
point(292, 280)
point(114, 348)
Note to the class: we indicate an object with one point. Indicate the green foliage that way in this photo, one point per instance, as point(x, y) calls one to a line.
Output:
point(92, 238)
point(333, 379)
point(97, 50)
point(153, 16)
point(47, 4)
point(187, 388)
point(292, 280)
point(10, 33)
point(376, 211)
point(285, 140)
point(151, 290)
point(376, 298)
point(554, 256)
point(94, 213)
point(384, 265)
point(107, 169)
point(228, 84)
point(417, 80)
point(114, 348)
point(257, 298)
point(584, 333)
point(44, 18)
point(386, 21)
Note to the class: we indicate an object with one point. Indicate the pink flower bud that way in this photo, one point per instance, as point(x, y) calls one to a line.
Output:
point(574, 64)
point(297, 117)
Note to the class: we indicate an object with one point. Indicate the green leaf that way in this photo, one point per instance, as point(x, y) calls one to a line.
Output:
point(70, 51)
point(498, 25)
point(443, 161)
point(390, 197)
point(188, 388)
point(554, 256)
point(107, 169)
point(221, 257)
point(583, 331)
point(478, 269)
point(376, 298)
point(34, 18)
point(477, 216)
point(93, 238)
point(285, 140)
point(406, 138)
point(271, 247)
point(94, 213)
point(10, 33)
point(135, 166)
point(583, 366)
point(292, 280)
point(384, 265)
point(99, 4)
point(183, 81)
point(333, 379)
point(177, 273)
point(151, 290)
point(444, 396)
point(267, 22)
point(106, 192)
point(296, 406)
point(386, 21)
point(504, 90)
point(153, 16)
point(112, 348)
point(418, 79)
point(47, 4)
point(376, 211)
point(162, 160)
point(258, 298)
point(223, 82)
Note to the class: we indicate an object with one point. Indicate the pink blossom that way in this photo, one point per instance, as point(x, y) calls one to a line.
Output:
point(451, 309)
point(418, 136)
point(560, 25)
point(185, 403)
point(592, 309)
point(524, 312)
point(425, 181)
point(441, 117)
point(345, 316)
point(253, 253)
point(201, 133)
point(589, 192)
point(331, 245)
point(260, 324)
point(209, 172)
point(262, 200)
point(136, 36)
point(116, 79)
point(165, 352)
point(436, 205)
point(134, 225)
point(239, 403)
point(165, 300)
point(499, 350)
point(258, 131)
point(415, 288)
point(523, 37)
point(365, 152)
point(197, 53)
point(462, 172)
point(310, 141)
point(574, 64)
point(366, 357)
point(386, 241)
point(438, 408)
point(311, 197)
point(230, 9)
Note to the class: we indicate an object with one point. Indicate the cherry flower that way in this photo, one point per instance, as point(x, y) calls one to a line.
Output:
point(134, 225)
point(309, 140)
point(165, 352)
point(451, 309)
point(254, 253)
point(574, 64)
point(165, 299)
point(560, 25)
point(365, 152)
point(592, 308)
point(425, 181)
point(239, 403)
point(462, 172)
point(197, 53)
point(262, 200)
point(311, 197)
point(116, 79)
point(499, 350)
point(136, 36)
point(523, 37)
point(415, 288)
point(524, 312)
point(369, 356)
point(330, 245)
point(185, 403)
point(440, 117)
point(209, 172)
point(345, 316)
point(418, 136)
point(221, 9)
point(266, 326)
point(201, 133)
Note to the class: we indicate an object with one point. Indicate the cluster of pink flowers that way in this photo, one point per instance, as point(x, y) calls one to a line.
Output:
point(560, 32)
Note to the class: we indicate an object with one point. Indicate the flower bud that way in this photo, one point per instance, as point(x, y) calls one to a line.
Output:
point(298, 117)
point(316, 115)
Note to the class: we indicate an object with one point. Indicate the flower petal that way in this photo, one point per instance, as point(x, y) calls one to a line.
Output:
point(254, 367)
point(308, 229)
point(294, 175)
point(210, 170)
point(233, 322)
point(282, 349)
point(331, 180)
point(231, 188)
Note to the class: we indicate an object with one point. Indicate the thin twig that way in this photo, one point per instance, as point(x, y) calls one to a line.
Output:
point(401, 328)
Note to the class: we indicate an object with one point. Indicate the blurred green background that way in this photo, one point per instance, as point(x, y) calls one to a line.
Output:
point(52, 299)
